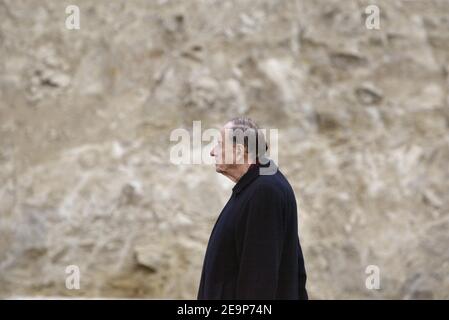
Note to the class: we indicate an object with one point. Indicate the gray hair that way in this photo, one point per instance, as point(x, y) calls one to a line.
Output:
point(247, 132)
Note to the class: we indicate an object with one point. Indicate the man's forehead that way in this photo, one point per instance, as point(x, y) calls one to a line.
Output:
point(226, 129)
point(228, 125)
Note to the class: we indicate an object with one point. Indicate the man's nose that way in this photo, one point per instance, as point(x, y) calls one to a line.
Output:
point(212, 152)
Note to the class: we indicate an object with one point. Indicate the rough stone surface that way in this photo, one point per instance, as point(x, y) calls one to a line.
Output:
point(86, 116)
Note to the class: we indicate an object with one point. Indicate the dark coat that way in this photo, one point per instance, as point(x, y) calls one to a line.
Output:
point(254, 250)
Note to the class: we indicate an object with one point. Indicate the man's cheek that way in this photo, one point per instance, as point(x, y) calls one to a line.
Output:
point(218, 158)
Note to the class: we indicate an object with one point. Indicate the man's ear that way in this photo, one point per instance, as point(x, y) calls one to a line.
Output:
point(240, 153)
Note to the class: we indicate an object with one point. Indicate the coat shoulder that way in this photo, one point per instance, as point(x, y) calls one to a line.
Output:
point(272, 185)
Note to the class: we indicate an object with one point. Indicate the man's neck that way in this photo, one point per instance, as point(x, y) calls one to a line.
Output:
point(239, 172)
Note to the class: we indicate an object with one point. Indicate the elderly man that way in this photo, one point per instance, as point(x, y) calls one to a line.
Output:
point(254, 250)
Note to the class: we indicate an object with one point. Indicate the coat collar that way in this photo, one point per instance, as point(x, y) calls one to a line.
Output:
point(250, 175)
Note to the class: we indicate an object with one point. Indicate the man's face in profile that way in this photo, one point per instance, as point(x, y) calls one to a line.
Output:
point(225, 152)
point(221, 149)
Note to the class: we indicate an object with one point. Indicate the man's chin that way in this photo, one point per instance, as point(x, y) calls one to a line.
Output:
point(219, 169)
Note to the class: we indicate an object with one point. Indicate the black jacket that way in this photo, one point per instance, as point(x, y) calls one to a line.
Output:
point(254, 250)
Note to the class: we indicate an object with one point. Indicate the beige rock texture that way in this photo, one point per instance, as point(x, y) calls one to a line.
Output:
point(86, 117)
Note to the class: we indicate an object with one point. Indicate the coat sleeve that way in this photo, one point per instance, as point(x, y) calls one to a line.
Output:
point(259, 245)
